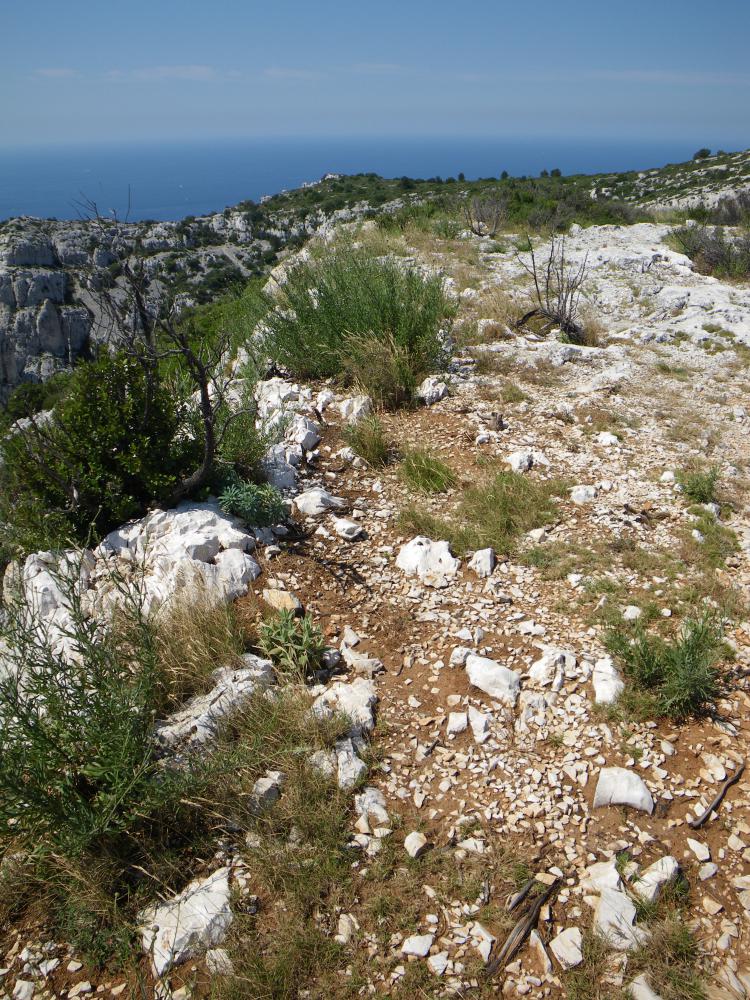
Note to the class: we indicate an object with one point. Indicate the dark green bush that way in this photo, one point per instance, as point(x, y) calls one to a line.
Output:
point(365, 320)
point(115, 443)
point(700, 487)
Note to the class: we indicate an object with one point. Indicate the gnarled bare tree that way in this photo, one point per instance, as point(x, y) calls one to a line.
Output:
point(557, 288)
point(486, 216)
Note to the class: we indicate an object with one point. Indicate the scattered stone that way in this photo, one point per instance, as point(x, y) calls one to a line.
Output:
point(430, 561)
point(567, 947)
point(416, 844)
point(483, 562)
point(417, 944)
point(188, 923)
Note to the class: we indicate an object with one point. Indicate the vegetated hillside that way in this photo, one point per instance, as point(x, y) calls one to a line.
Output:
point(383, 630)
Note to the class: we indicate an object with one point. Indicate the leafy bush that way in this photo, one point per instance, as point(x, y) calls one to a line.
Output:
point(368, 439)
point(700, 487)
point(295, 645)
point(259, 505)
point(426, 473)
point(681, 675)
point(113, 445)
point(364, 320)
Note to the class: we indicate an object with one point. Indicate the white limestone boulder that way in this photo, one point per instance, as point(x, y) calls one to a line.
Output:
point(607, 682)
point(187, 924)
point(618, 786)
point(494, 679)
point(430, 561)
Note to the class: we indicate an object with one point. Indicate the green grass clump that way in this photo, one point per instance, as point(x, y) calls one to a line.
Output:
point(699, 487)
point(368, 439)
point(426, 473)
point(680, 676)
point(362, 319)
point(669, 957)
point(295, 645)
point(494, 513)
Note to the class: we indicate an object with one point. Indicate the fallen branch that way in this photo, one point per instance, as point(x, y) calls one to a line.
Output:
point(521, 930)
point(700, 820)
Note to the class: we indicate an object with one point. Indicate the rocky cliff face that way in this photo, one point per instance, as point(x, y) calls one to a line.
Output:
point(41, 327)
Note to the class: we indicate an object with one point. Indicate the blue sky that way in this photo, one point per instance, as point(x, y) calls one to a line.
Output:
point(99, 70)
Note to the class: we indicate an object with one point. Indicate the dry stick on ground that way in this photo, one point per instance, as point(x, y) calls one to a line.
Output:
point(522, 929)
point(557, 286)
point(698, 822)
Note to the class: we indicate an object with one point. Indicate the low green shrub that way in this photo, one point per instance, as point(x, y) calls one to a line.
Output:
point(713, 251)
point(681, 676)
point(426, 473)
point(259, 505)
point(700, 487)
point(368, 439)
point(363, 319)
point(295, 645)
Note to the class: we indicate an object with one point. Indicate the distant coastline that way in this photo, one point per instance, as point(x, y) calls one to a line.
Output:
point(173, 180)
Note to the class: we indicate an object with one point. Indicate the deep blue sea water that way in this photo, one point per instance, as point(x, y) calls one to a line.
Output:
point(169, 181)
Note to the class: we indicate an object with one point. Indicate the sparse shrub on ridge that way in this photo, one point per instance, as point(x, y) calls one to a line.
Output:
point(365, 320)
point(112, 445)
point(700, 487)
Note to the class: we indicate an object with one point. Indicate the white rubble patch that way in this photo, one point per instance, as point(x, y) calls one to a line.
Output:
point(567, 947)
point(185, 925)
point(607, 682)
point(583, 494)
point(316, 501)
point(656, 877)
point(196, 723)
point(493, 678)
point(430, 561)
point(303, 432)
point(549, 671)
point(354, 408)
point(193, 545)
point(640, 990)
point(619, 787)
point(431, 391)
point(350, 531)
point(480, 724)
point(458, 722)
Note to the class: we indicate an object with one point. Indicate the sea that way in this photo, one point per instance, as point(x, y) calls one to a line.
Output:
point(171, 180)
